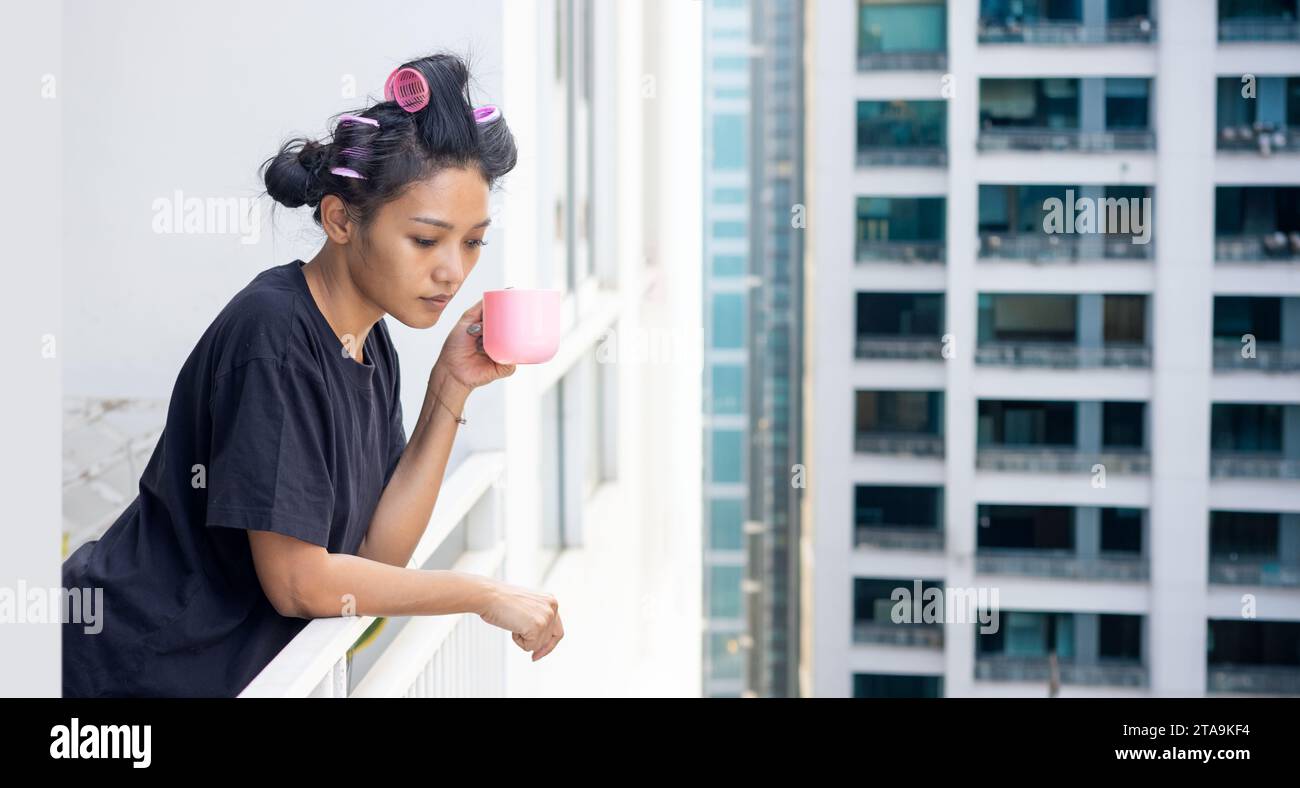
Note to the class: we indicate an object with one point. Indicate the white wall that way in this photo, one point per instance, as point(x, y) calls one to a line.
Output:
point(162, 96)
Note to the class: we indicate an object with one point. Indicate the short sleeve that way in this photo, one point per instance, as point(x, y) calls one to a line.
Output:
point(271, 468)
point(396, 428)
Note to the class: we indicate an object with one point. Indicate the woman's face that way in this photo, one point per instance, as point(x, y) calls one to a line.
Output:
point(422, 246)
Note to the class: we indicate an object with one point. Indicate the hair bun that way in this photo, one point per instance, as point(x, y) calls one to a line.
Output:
point(292, 176)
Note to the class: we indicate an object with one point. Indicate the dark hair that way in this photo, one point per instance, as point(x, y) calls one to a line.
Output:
point(406, 147)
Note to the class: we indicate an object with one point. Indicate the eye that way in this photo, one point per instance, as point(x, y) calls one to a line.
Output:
point(476, 242)
point(425, 241)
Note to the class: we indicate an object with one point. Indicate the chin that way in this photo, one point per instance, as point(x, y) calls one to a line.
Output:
point(416, 320)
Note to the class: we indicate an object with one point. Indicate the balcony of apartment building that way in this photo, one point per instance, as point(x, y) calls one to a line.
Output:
point(1255, 548)
point(1257, 223)
point(900, 230)
point(1062, 542)
point(1027, 436)
point(902, 133)
point(1063, 331)
point(896, 685)
point(899, 423)
point(902, 35)
point(1265, 120)
point(1254, 440)
point(898, 517)
point(1065, 223)
point(1088, 115)
point(1253, 657)
point(907, 326)
point(1054, 22)
point(1257, 333)
point(1258, 20)
point(875, 600)
point(1088, 649)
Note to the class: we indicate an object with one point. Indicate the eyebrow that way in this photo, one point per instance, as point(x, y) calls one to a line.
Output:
point(447, 225)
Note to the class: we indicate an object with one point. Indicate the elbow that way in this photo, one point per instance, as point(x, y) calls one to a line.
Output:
point(299, 596)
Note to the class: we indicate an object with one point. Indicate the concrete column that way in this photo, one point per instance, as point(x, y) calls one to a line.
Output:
point(1092, 104)
point(1087, 531)
point(1085, 638)
point(1094, 13)
point(1087, 426)
point(960, 405)
point(1288, 539)
point(1291, 322)
point(1291, 431)
point(1179, 414)
point(1089, 318)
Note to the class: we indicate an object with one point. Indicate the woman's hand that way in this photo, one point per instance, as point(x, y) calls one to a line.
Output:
point(532, 618)
point(463, 358)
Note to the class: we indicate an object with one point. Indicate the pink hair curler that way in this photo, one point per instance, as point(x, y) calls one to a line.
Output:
point(408, 88)
point(347, 172)
point(486, 113)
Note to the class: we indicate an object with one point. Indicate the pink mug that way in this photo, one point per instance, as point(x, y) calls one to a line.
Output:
point(521, 326)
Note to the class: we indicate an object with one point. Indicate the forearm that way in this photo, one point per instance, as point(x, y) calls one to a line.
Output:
point(405, 505)
point(341, 584)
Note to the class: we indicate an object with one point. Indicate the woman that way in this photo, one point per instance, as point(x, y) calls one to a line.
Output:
point(283, 487)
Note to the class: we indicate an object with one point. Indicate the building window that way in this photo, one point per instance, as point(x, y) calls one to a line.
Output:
point(725, 524)
point(724, 591)
point(728, 320)
point(727, 459)
point(728, 142)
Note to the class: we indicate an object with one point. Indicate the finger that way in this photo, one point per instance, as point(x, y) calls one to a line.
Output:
point(474, 314)
point(474, 328)
point(554, 632)
point(557, 632)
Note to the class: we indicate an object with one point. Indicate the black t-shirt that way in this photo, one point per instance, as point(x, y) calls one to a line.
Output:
point(271, 427)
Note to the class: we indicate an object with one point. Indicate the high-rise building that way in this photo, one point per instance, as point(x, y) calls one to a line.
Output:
point(752, 305)
point(1053, 348)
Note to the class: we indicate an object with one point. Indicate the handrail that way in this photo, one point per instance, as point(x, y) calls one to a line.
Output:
point(314, 663)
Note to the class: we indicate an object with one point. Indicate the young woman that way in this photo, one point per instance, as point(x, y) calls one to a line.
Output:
point(283, 487)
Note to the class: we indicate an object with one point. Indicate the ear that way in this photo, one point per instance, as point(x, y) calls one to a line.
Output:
point(334, 218)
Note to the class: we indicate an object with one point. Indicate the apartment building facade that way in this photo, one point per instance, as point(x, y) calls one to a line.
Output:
point(1053, 347)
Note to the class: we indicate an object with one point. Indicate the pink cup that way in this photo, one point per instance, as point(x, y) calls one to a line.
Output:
point(521, 326)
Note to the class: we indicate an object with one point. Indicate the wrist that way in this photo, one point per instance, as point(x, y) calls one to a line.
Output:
point(447, 388)
point(483, 595)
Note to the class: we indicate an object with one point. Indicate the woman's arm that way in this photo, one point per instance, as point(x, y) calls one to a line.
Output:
point(303, 580)
point(407, 502)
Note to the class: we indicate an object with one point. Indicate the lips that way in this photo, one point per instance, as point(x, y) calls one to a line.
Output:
point(436, 300)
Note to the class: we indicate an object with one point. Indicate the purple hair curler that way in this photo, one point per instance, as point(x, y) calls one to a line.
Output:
point(347, 172)
point(358, 119)
point(408, 88)
point(486, 113)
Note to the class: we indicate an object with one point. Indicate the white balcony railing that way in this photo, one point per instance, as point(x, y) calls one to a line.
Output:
point(899, 346)
point(1005, 138)
point(1062, 355)
point(1138, 30)
point(431, 656)
point(899, 537)
point(1253, 465)
point(1060, 564)
point(1268, 356)
point(1063, 247)
point(1258, 248)
point(1061, 459)
point(1099, 673)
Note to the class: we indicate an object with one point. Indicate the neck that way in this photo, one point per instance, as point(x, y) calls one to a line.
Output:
point(345, 307)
